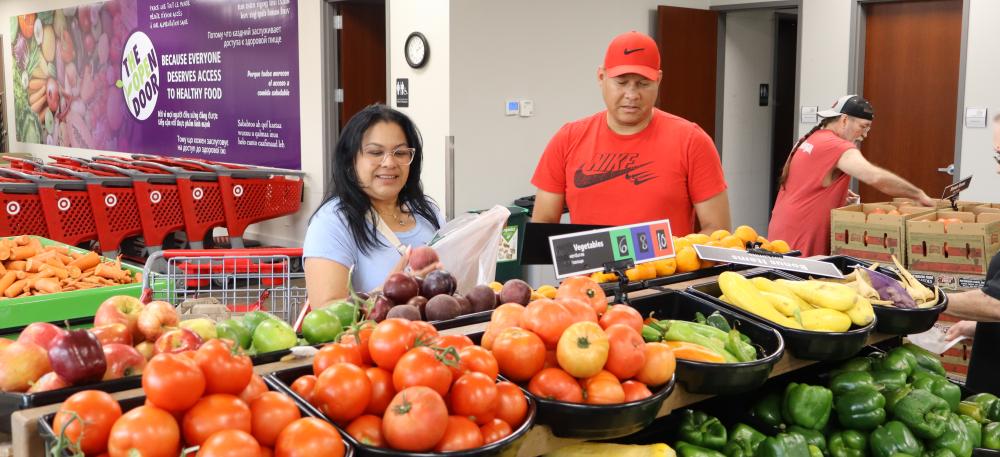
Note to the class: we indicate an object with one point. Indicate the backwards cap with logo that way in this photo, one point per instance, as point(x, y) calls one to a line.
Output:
point(633, 52)
point(851, 105)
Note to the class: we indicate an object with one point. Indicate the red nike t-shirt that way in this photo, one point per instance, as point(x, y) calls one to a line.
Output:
point(612, 179)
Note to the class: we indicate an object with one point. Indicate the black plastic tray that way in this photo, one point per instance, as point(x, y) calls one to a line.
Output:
point(892, 320)
point(463, 320)
point(803, 344)
point(716, 378)
point(281, 381)
point(983, 452)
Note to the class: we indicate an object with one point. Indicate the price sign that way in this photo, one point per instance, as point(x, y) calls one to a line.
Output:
point(812, 267)
point(587, 252)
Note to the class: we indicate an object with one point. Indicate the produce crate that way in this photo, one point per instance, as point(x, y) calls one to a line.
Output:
point(953, 256)
point(63, 305)
point(877, 237)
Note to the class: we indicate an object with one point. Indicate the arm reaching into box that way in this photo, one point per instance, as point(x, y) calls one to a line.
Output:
point(855, 164)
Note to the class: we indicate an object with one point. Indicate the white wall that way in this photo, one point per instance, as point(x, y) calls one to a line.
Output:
point(824, 54)
point(981, 91)
point(746, 135)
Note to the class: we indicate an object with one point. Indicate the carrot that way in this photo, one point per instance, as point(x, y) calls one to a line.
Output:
point(88, 261)
point(58, 249)
point(65, 259)
point(43, 256)
point(19, 265)
point(15, 289)
point(3, 269)
point(58, 272)
point(35, 244)
point(107, 271)
point(7, 279)
point(47, 285)
point(22, 253)
point(74, 272)
point(695, 352)
point(5, 245)
point(21, 240)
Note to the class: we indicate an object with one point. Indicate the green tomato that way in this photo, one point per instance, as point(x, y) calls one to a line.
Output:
point(232, 329)
point(344, 311)
point(273, 335)
point(252, 319)
point(321, 326)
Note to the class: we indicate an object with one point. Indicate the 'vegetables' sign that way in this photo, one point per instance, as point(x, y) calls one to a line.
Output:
point(587, 252)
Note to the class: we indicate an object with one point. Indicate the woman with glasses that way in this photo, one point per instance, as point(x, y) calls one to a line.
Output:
point(375, 211)
point(818, 171)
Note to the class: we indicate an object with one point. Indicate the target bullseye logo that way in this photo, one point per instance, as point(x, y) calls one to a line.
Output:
point(63, 204)
point(110, 200)
point(155, 196)
point(198, 193)
point(238, 190)
point(13, 208)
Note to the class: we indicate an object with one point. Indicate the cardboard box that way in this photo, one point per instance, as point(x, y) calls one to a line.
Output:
point(955, 255)
point(877, 237)
point(961, 205)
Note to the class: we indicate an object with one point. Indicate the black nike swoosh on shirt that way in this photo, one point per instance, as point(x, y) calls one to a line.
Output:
point(581, 179)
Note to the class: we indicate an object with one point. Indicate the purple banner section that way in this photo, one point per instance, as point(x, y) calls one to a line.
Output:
point(211, 79)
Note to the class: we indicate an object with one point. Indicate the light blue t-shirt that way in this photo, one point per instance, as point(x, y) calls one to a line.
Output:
point(328, 237)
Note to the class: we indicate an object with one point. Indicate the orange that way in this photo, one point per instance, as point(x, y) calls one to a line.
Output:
point(600, 277)
point(720, 234)
point(698, 238)
point(641, 272)
point(780, 246)
point(733, 242)
point(746, 233)
point(681, 243)
point(687, 260)
point(665, 267)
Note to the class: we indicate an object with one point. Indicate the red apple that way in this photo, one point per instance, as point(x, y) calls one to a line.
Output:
point(422, 256)
point(4, 342)
point(155, 316)
point(22, 363)
point(49, 381)
point(147, 349)
point(176, 341)
point(112, 333)
point(40, 333)
point(120, 309)
point(123, 360)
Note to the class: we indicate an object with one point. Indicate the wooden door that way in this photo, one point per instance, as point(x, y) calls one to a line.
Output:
point(912, 54)
point(688, 41)
point(361, 56)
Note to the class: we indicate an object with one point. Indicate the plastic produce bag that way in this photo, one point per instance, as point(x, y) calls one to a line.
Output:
point(467, 246)
point(933, 340)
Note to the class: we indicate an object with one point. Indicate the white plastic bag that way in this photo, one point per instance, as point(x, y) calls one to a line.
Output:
point(933, 340)
point(468, 245)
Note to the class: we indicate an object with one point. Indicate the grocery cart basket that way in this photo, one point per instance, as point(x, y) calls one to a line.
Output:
point(22, 212)
point(65, 205)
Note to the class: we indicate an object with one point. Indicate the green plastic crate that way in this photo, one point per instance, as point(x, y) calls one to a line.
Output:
point(16, 312)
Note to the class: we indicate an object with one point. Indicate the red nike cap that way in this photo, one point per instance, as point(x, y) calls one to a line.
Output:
point(633, 52)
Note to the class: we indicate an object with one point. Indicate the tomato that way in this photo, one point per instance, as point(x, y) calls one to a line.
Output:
point(586, 289)
point(424, 331)
point(389, 341)
point(359, 337)
point(512, 405)
point(622, 314)
point(97, 412)
point(147, 431)
point(635, 391)
point(229, 443)
point(603, 389)
point(454, 341)
point(504, 316)
point(270, 413)
point(254, 389)
point(421, 367)
point(460, 434)
point(333, 353)
point(173, 382)
point(266, 452)
point(626, 351)
point(225, 372)
point(342, 392)
point(382, 390)
point(304, 387)
point(474, 395)
point(556, 384)
point(367, 430)
point(551, 361)
point(214, 413)
point(578, 309)
point(475, 358)
point(495, 431)
point(583, 349)
point(415, 420)
point(519, 353)
point(547, 319)
point(309, 437)
point(659, 366)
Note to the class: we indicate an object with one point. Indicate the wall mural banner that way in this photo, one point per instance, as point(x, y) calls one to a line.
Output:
point(210, 79)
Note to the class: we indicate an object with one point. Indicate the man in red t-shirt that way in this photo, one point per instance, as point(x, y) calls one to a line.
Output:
point(818, 171)
point(632, 163)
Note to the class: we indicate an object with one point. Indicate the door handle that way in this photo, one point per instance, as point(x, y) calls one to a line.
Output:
point(950, 170)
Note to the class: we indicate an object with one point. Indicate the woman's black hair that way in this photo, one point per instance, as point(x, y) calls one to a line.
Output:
point(788, 162)
point(354, 202)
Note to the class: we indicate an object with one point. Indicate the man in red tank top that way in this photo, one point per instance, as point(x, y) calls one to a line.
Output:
point(817, 174)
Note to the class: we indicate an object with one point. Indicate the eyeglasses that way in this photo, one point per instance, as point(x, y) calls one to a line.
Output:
point(402, 156)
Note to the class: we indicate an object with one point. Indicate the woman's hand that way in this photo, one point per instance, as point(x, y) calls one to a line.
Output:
point(852, 198)
point(404, 261)
point(961, 328)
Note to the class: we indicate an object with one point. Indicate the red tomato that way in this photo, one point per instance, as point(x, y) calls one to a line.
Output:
point(421, 367)
point(382, 390)
point(415, 420)
point(460, 434)
point(495, 431)
point(214, 413)
point(551, 359)
point(659, 367)
point(622, 314)
point(342, 392)
point(512, 405)
point(359, 337)
point(97, 412)
point(229, 443)
point(304, 387)
point(474, 395)
point(547, 319)
point(270, 413)
point(173, 382)
point(603, 389)
point(635, 391)
point(333, 353)
point(367, 430)
point(556, 384)
point(389, 341)
point(504, 316)
point(424, 331)
point(519, 353)
point(147, 431)
point(254, 389)
point(454, 341)
point(225, 372)
point(266, 452)
point(475, 358)
point(579, 309)
point(309, 437)
point(626, 353)
point(586, 289)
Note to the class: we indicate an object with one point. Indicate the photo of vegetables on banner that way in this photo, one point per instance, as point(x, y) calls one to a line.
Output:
point(192, 78)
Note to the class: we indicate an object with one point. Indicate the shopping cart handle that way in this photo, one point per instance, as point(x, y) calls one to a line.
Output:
point(255, 252)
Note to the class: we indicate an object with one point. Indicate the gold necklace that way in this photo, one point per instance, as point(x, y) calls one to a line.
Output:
point(398, 216)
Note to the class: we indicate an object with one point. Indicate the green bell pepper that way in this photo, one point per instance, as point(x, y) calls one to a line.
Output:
point(768, 410)
point(783, 445)
point(889, 379)
point(892, 397)
point(926, 359)
point(862, 409)
point(894, 438)
point(807, 406)
point(690, 450)
point(955, 438)
point(924, 413)
point(990, 404)
point(815, 451)
point(703, 430)
point(943, 452)
point(942, 388)
point(847, 381)
point(743, 441)
point(813, 437)
point(848, 443)
point(855, 364)
point(991, 436)
point(898, 359)
point(975, 430)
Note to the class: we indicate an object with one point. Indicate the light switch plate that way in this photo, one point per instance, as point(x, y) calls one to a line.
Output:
point(512, 107)
point(527, 108)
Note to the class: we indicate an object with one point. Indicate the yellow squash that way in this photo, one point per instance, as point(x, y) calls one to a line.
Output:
point(825, 320)
point(766, 285)
point(613, 450)
point(823, 294)
point(742, 294)
point(782, 303)
point(862, 312)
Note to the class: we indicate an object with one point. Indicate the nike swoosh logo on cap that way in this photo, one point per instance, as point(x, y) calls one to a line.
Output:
point(582, 180)
point(629, 51)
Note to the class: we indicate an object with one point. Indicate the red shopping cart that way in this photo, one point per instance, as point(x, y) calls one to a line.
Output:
point(65, 205)
point(22, 209)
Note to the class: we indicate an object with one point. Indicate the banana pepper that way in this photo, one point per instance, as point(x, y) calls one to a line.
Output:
point(989, 403)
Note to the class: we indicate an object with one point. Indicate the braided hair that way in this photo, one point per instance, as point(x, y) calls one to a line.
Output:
point(788, 162)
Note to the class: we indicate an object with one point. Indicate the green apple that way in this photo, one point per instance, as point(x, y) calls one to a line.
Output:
point(232, 329)
point(205, 328)
point(321, 326)
point(252, 319)
point(344, 310)
point(273, 335)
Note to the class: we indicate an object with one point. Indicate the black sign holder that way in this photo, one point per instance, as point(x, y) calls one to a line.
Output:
point(951, 192)
point(618, 268)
